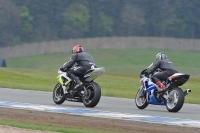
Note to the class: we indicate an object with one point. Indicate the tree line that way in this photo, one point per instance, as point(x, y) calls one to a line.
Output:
point(26, 21)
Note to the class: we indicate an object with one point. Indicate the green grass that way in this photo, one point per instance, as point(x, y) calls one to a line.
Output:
point(30, 79)
point(120, 80)
point(115, 60)
point(50, 128)
point(112, 84)
point(122, 70)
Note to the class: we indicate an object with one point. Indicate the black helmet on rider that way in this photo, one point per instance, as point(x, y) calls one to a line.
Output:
point(77, 49)
point(161, 56)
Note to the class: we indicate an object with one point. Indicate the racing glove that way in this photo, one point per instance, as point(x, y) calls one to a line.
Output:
point(63, 69)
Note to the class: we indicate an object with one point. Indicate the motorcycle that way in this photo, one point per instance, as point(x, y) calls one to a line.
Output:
point(89, 94)
point(172, 97)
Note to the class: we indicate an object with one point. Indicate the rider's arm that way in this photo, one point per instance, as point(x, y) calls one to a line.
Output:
point(70, 63)
point(156, 65)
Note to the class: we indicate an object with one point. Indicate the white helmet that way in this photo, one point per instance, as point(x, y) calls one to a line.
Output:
point(161, 56)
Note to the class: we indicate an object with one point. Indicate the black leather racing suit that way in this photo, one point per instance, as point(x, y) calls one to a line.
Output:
point(167, 68)
point(84, 62)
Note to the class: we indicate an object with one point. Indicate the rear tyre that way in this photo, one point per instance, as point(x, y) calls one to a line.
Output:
point(58, 94)
point(93, 96)
point(140, 100)
point(176, 100)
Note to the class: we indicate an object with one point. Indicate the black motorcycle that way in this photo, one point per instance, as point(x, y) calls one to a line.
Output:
point(89, 94)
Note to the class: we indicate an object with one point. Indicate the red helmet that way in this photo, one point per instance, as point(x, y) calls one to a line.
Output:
point(77, 49)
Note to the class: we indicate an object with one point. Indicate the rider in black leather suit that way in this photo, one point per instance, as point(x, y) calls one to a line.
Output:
point(167, 68)
point(84, 62)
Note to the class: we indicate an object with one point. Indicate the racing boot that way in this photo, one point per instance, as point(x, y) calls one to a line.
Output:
point(78, 85)
point(161, 86)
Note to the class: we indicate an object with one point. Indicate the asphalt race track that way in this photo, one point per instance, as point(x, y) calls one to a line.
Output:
point(112, 108)
point(120, 105)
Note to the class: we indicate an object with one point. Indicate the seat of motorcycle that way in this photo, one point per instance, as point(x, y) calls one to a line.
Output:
point(88, 71)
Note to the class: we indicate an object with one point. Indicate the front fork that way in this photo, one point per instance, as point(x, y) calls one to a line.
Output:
point(64, 85)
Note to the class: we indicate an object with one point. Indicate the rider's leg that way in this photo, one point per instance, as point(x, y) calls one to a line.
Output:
point(161, 86)
point(74, 73)
point(156, 78)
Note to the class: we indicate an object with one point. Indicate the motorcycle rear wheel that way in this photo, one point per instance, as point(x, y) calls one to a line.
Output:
point(176, 100)
point(93, 96)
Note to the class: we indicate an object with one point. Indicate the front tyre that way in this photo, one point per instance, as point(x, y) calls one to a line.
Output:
point(93, 96)
point(140, 100)
point(175, 100)
point(58, 94)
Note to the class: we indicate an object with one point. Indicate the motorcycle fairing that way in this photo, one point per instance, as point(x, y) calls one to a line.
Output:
point(178, 79)
point(149, 87)
point(152, 99)
point(63, 78)
point(92, 74)
point(147, 84)
point(89, 76)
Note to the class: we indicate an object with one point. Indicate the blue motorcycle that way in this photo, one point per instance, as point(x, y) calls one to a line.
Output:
point(172, 97)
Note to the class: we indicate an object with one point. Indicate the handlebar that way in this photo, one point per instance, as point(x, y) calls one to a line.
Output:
point(145, 73)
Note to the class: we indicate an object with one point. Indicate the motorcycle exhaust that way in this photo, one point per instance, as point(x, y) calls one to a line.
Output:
point(187, 92)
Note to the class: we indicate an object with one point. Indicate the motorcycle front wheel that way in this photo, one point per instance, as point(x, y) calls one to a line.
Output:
point(140, 100)
point(58, 94)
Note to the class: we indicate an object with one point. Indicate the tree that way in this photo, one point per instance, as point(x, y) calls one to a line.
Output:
point(9, 23)
point(76, 21)
point(102, 25)
point(39, 20)
point(26, 26)
point(132, 19)
point(188, 14)
point(168, 18)
point(42, 29)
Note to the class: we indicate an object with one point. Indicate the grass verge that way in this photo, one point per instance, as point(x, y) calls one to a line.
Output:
point(114, 60)
point(49, 128)
point(112, 84)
